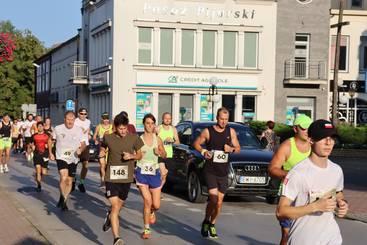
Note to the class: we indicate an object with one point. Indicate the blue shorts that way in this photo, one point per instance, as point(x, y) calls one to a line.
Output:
point(152, 181)
point(285, 223)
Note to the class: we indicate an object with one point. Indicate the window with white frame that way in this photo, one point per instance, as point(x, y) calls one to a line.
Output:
point(188, 47)
point(344, 53)
point(166, 46)
point(145, 45)
point(251, 49)
point(209, 48)
point(229, 48)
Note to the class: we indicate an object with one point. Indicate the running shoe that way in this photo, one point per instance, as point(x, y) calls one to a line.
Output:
point(152, 218)
point(6, 169)
point(212, 231)
point(204, 229)
point(1, 169)
point(118, 241)
point(38, 188)
point(146, 233)
point(64, 207)
point(81, 188)
point(107, 222)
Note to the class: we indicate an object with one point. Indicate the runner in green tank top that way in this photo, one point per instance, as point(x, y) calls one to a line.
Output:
point(168, 134)
point(291, 152)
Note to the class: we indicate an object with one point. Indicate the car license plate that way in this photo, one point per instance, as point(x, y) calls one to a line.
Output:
point(91, 151)
point(252, 180)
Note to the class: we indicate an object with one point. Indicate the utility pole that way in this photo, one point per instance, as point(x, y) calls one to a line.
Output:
point(338, 25)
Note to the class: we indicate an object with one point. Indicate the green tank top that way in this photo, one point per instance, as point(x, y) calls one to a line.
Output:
point(164, 134)
point(295, 157)
point(102, 130)
point(148, 154)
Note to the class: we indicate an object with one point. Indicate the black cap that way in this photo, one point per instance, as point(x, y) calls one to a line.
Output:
point(320, 129)
point(105, 115)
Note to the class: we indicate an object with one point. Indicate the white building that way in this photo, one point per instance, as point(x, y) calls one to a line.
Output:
point(353, 61)
point(164, 55)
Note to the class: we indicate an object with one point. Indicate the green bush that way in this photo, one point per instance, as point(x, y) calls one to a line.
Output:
point(352, 135)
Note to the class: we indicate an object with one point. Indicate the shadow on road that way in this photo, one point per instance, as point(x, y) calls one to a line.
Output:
point(30, 241)
point(251, 241)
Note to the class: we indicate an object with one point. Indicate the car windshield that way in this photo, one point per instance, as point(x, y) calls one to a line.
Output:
point(246, 137)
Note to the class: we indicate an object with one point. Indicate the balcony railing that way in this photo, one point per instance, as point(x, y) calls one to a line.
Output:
point(79, 72)
point(298, 69)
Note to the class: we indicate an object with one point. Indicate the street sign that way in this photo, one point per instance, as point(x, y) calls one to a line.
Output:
point(29, 109)
point(70, 105)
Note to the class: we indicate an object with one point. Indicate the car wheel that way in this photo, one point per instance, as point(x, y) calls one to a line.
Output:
point(194, 189)
point(272, 199)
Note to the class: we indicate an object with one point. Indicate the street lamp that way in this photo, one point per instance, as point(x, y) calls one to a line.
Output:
point(213, 94)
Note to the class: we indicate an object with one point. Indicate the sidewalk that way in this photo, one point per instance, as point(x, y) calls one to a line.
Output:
point(357, 204)
point(14, 225)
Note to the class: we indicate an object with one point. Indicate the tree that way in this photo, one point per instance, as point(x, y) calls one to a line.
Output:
point(17, 75)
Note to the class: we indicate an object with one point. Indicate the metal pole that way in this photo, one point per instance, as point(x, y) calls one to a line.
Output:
point(336, 63)
point(213, 88)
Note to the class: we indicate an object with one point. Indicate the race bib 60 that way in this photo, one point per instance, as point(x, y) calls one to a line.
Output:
point(220, 157)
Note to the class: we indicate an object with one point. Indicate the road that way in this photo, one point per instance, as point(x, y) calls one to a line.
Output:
point(243, 221)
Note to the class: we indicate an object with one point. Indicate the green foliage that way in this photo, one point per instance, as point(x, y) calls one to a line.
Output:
point(17, 77)
point(352, 135)
point(283, 131)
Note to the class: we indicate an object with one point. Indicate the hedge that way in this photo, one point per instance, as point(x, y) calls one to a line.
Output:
point(349, 135)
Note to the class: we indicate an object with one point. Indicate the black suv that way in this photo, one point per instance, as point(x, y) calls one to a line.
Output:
point(248, 173)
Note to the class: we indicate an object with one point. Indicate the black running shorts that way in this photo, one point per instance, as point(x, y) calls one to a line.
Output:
point(40, 159)
point(216, 182)
point(61, 164)
point(120, 190)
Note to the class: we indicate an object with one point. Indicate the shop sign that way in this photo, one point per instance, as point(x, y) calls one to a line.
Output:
point(362, 117)
point(196, 80)
point(205, 109)
point(143, 106)
point(198, 11)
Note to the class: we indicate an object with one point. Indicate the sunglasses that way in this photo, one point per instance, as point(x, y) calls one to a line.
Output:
point(82, 113)
point(303, 129)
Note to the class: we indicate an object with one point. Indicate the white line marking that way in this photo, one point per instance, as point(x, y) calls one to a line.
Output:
point(195, 210)
point(180, 204)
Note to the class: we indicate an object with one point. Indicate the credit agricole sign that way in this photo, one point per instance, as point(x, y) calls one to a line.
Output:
point(199, 11)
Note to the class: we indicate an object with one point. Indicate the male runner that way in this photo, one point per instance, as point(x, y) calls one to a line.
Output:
point(16, 135)
point(147, 174)
point(5, 143)
point(70, 143)
point(123, 150)
point(84, 123)
point(168, 134)
point(313, 192)
point(220, 140)
point(41, 143)
point(290, 152)
point(26, 127)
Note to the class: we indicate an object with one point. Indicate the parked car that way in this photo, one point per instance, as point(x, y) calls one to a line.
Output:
point(248, 170)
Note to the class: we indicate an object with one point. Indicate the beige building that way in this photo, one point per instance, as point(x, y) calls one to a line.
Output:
point(184, 57)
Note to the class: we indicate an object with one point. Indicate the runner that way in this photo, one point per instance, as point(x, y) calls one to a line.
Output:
point(34, 128)
point(42, 145)
point(84, 123)
point(130, 127)
point(101, 130)
point(290, 152)
point(48, 126)
point(16, 135)
point(69, 145)
point(220, 140)
point(124, 149)
point(147, 176)
point(168, 134)
point(5, 143)
point(313, 192)
point(26, 127)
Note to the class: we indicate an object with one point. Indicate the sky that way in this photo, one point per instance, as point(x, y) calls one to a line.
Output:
point(51, 21)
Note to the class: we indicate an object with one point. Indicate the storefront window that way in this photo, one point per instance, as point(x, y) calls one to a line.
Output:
point(248, 108)
point(164, 105)
point(299, 105)
point(187, 47)
point(186, 107)
point(143, 106)
point(206, 110)
point(209, 40)
point(145, 45)
point(166, 46)
point(229, 49)
point(251, 49)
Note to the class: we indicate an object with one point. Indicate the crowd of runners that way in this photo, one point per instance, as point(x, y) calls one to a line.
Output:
point(311, 193)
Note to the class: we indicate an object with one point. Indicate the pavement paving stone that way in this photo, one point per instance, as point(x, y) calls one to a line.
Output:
point(15, 228)
point(357, 204)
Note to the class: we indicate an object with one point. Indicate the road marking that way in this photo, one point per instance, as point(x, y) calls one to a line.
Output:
point(195, 210)
point(167, 199)
point(226, 213)
point(272, 214)
point(180, 204)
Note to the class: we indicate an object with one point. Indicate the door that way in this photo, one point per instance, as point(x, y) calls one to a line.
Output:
point(228, 101)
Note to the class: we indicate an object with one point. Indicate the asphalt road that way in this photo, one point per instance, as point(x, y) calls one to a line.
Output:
point(243, 220)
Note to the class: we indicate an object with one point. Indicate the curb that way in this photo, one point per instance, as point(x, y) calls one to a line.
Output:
point(47, 237)
point(362, 217)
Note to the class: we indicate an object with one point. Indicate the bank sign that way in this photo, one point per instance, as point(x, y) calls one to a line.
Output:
point(198, 11)
point(196, 80)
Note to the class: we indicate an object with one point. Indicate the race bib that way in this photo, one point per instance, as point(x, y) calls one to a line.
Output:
point(119, 172)
point(45, 159)
point(67, 154)
point(220, 157)
point(148, 169)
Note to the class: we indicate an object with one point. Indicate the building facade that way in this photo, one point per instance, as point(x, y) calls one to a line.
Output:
point(301, 78)
point(184, 57)
point(353, 61)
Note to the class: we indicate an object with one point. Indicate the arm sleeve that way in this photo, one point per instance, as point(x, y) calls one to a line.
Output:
point(292, 185)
